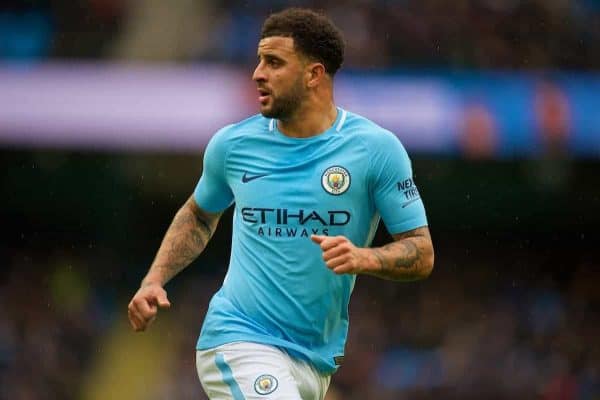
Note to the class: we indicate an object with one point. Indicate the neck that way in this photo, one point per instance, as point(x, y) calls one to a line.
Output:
point(309, 120)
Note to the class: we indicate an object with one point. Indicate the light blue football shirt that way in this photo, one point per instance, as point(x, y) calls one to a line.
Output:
point(278, 290)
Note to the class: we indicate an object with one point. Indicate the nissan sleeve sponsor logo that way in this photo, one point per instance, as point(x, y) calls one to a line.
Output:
point(409, 190)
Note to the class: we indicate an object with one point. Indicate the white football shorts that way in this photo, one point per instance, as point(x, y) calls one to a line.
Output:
point(252, 371)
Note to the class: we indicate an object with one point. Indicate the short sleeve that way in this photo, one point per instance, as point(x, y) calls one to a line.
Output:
point(395, 193)
point(212, 192)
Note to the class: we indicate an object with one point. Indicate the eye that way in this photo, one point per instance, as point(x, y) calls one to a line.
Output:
point(271, 61)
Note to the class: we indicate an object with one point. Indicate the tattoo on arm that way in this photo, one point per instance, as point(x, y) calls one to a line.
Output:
point(409, 257)
point(412, 255)
point(203, 221)
point(380, 258)
point(185, 239)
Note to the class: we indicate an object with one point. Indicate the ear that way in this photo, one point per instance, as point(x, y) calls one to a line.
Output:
point(315, 72)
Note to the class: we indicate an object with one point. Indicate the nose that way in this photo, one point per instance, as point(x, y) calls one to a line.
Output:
point(259, 73)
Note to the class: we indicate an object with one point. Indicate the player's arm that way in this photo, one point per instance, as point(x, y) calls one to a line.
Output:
point(186, 238)
point(408, 258)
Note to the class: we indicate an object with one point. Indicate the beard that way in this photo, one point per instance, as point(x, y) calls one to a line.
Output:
point(285, 105)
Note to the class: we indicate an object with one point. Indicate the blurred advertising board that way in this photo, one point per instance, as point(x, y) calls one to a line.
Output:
point(178, 108)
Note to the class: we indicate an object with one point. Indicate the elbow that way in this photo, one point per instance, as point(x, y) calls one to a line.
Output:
point(427, 264)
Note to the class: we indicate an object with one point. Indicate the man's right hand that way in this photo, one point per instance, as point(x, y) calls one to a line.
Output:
point(144, 305)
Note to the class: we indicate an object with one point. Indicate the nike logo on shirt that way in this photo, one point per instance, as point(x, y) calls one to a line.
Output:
point(246, 178)
point(410, 202)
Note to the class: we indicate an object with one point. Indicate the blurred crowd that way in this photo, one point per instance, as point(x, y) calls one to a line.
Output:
point(380, 33)
point(51, 321)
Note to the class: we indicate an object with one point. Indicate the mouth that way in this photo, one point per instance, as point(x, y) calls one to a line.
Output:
point(263, 95)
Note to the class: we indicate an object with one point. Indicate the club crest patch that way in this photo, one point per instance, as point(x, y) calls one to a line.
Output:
point(335, 180)
point(265, 384)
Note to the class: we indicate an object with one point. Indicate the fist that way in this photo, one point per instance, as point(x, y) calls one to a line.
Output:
point(144, 305)
point(340, 255)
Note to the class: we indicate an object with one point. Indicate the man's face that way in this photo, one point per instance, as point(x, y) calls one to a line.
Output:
point(279, 77)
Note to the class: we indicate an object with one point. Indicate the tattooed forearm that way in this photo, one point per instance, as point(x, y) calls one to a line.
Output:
point(203, 220)
point(380, 258)
point(409, 257)
point(185, 239)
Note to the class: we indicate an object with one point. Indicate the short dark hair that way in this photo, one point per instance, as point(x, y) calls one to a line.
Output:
point(314, 34)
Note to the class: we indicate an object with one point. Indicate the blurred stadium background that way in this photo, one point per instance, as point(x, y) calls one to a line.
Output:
point(106, 105)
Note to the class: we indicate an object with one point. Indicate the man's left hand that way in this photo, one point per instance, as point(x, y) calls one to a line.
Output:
point(341, 256)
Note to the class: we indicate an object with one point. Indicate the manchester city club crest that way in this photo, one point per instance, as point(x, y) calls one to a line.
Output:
point(265, 384)
point(335, 180)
